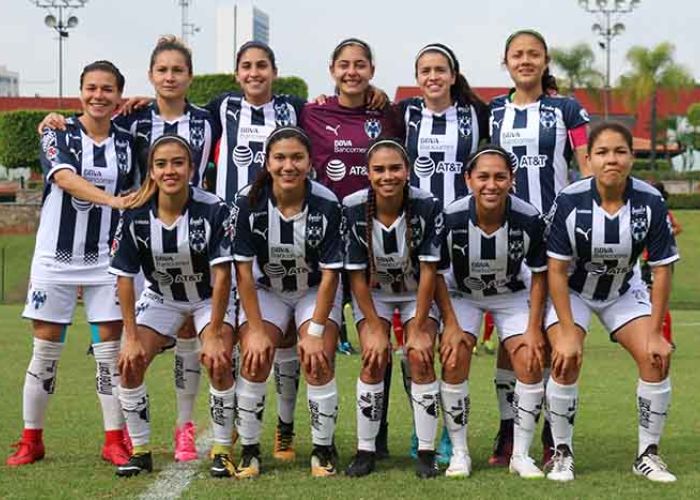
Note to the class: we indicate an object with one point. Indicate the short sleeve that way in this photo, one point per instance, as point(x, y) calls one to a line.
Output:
point(356, 239)
point(558, 242)
point(574, 114)
point(661, 244)
point(222, 224)
point(331, 251)
point(482, 115)
point(536, 258)
point(431, 244)
point(241, 234)
point(56, 154)
point(214, 105)
point(125, 255)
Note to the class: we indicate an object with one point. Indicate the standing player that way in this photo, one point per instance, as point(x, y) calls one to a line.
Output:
point(394, 236)
point(442, 128)
point(85, 168)
point(178, 235)
point(541, 130)
point(598, 228)
point(490, 236)
point(170, 72)
point(288, 250)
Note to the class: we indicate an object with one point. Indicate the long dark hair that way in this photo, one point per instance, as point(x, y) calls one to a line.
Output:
point(460, 91)
point(264, 178)
point(371, 211)
point(549, 83)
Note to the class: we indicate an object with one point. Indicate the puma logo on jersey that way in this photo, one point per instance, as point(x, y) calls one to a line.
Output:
point(143, 241)
point(586, 234)
point(233, 113)
point(262, 233)
point(461, 248)
point(414, 124)
point(333, 129)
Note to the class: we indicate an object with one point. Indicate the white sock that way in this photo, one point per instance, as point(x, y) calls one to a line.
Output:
point(562, 401)
point(221, 408)
point(286, 370)
point(455, 410)
point(527, 402)
point(370, 404)
point(107, 378)
point(187, 374)
point(425, 412)
point(546, 373)
point(136, 413)
point(323, 409)
point(40, 382)
point(250, 404)
point(505, 385)
point(653, 399)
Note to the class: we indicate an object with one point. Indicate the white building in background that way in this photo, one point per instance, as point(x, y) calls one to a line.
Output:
point(235, 25)
point(9, 83)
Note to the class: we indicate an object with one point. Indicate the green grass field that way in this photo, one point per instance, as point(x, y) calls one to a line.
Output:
point(605, 441)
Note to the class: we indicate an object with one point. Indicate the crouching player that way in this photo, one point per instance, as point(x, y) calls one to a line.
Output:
point(179, 236)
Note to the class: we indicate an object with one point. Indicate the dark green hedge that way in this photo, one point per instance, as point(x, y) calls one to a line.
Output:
point(205, 87)
point(684, 201)
point(19, 141)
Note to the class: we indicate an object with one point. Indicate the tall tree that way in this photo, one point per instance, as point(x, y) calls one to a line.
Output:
point(653, 69)
point(577, 64)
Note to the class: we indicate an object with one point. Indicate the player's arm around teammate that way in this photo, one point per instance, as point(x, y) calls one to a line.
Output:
point(166, 213)
point(599, 227)
point(288, 251)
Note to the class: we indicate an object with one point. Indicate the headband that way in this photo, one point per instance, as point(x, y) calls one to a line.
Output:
point(351, 41)
point(499, 152)
point(288, 128)
point(387, 142)
point(171, 137)
point(530, 32)
point(434, 47)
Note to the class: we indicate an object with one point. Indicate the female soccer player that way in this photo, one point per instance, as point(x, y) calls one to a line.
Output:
point(598, 228)
point(170, 72)
point(288, 229)
point(85, 167)
point(179, 236)
point(394, 241)
point(442, 128)
point(542, 130)
point(490, 236)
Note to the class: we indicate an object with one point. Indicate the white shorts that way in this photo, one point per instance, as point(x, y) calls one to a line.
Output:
point(166, 317)
point(614, 314)
point(511, 312)
point(280, 310)
point(385, 310)
point(55, 303)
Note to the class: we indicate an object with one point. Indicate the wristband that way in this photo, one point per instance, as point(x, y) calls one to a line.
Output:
point(315, 329)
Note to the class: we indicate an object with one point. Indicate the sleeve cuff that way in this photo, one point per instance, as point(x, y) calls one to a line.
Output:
point(664, 262)
point(121, 272)
point(539, 269)
point(559, 256)
point(355, 267)
point(61, 166)
point(330, 265)
point(429, 258)
point(220, 260)
point(242, 258)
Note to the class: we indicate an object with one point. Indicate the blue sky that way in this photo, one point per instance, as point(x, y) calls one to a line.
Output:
point(303, 33)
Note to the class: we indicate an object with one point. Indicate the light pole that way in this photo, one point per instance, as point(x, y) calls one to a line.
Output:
point(186, 27)
point(55, 20)
point(608, 27)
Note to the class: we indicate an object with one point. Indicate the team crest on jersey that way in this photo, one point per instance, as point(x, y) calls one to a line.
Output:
point(197, 134)
point(373, 128)
point(38, 298)
point(516, 249)
point(198, 235)
point(48, 144)
point(465, 122)
point(314, 229)
point(639, 223)
point(547, 118)
point(282, 116)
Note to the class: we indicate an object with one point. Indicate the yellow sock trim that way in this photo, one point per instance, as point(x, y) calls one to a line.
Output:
point(220, 449)
point(139, 449)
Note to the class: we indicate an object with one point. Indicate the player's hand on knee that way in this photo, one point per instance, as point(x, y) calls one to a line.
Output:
point(659, 352)
point(419, 348)
point(313, 356)
point(566, 358)
point(132, 358)
point(533, 343)
point(257, 353)
point(375, 348)
point(453, 340)
point(214, 355)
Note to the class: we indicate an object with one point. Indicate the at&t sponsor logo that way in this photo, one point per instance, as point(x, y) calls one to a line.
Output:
point(336, 170)
point(243, 156)
point(424, 166)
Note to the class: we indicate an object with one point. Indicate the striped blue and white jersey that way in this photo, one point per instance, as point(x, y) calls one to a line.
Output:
point(604, 248)
point(537, 135)
point(176, 259)
point(484, 265)
point(74, 236)
point(397, 270)
point(289, 253)
point(241, 151)
point(438, 145)
point(197, 125)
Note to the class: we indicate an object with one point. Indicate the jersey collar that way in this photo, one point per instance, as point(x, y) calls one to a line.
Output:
point(307, 194)
point(153, 204)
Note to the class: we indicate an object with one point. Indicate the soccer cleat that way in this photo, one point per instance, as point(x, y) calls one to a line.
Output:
point(503, 446)
point(524, 467)
point(460, 465)
point(547, 443)
point(323, 461)
point(284, 442)
point(185, 448)
point(346, 348)
point(381, 442)
point(249, 466)
point(444, 451)
point(114, 449)
point(138, 463)
point(30, 449)
point(222, 466)
point(413, 453)
point(362, 464)
point(650, 466)
point(426, 465)
point(561, 467)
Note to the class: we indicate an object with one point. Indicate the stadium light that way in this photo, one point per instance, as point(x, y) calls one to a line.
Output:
point(607, 28)
point(54, 20)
